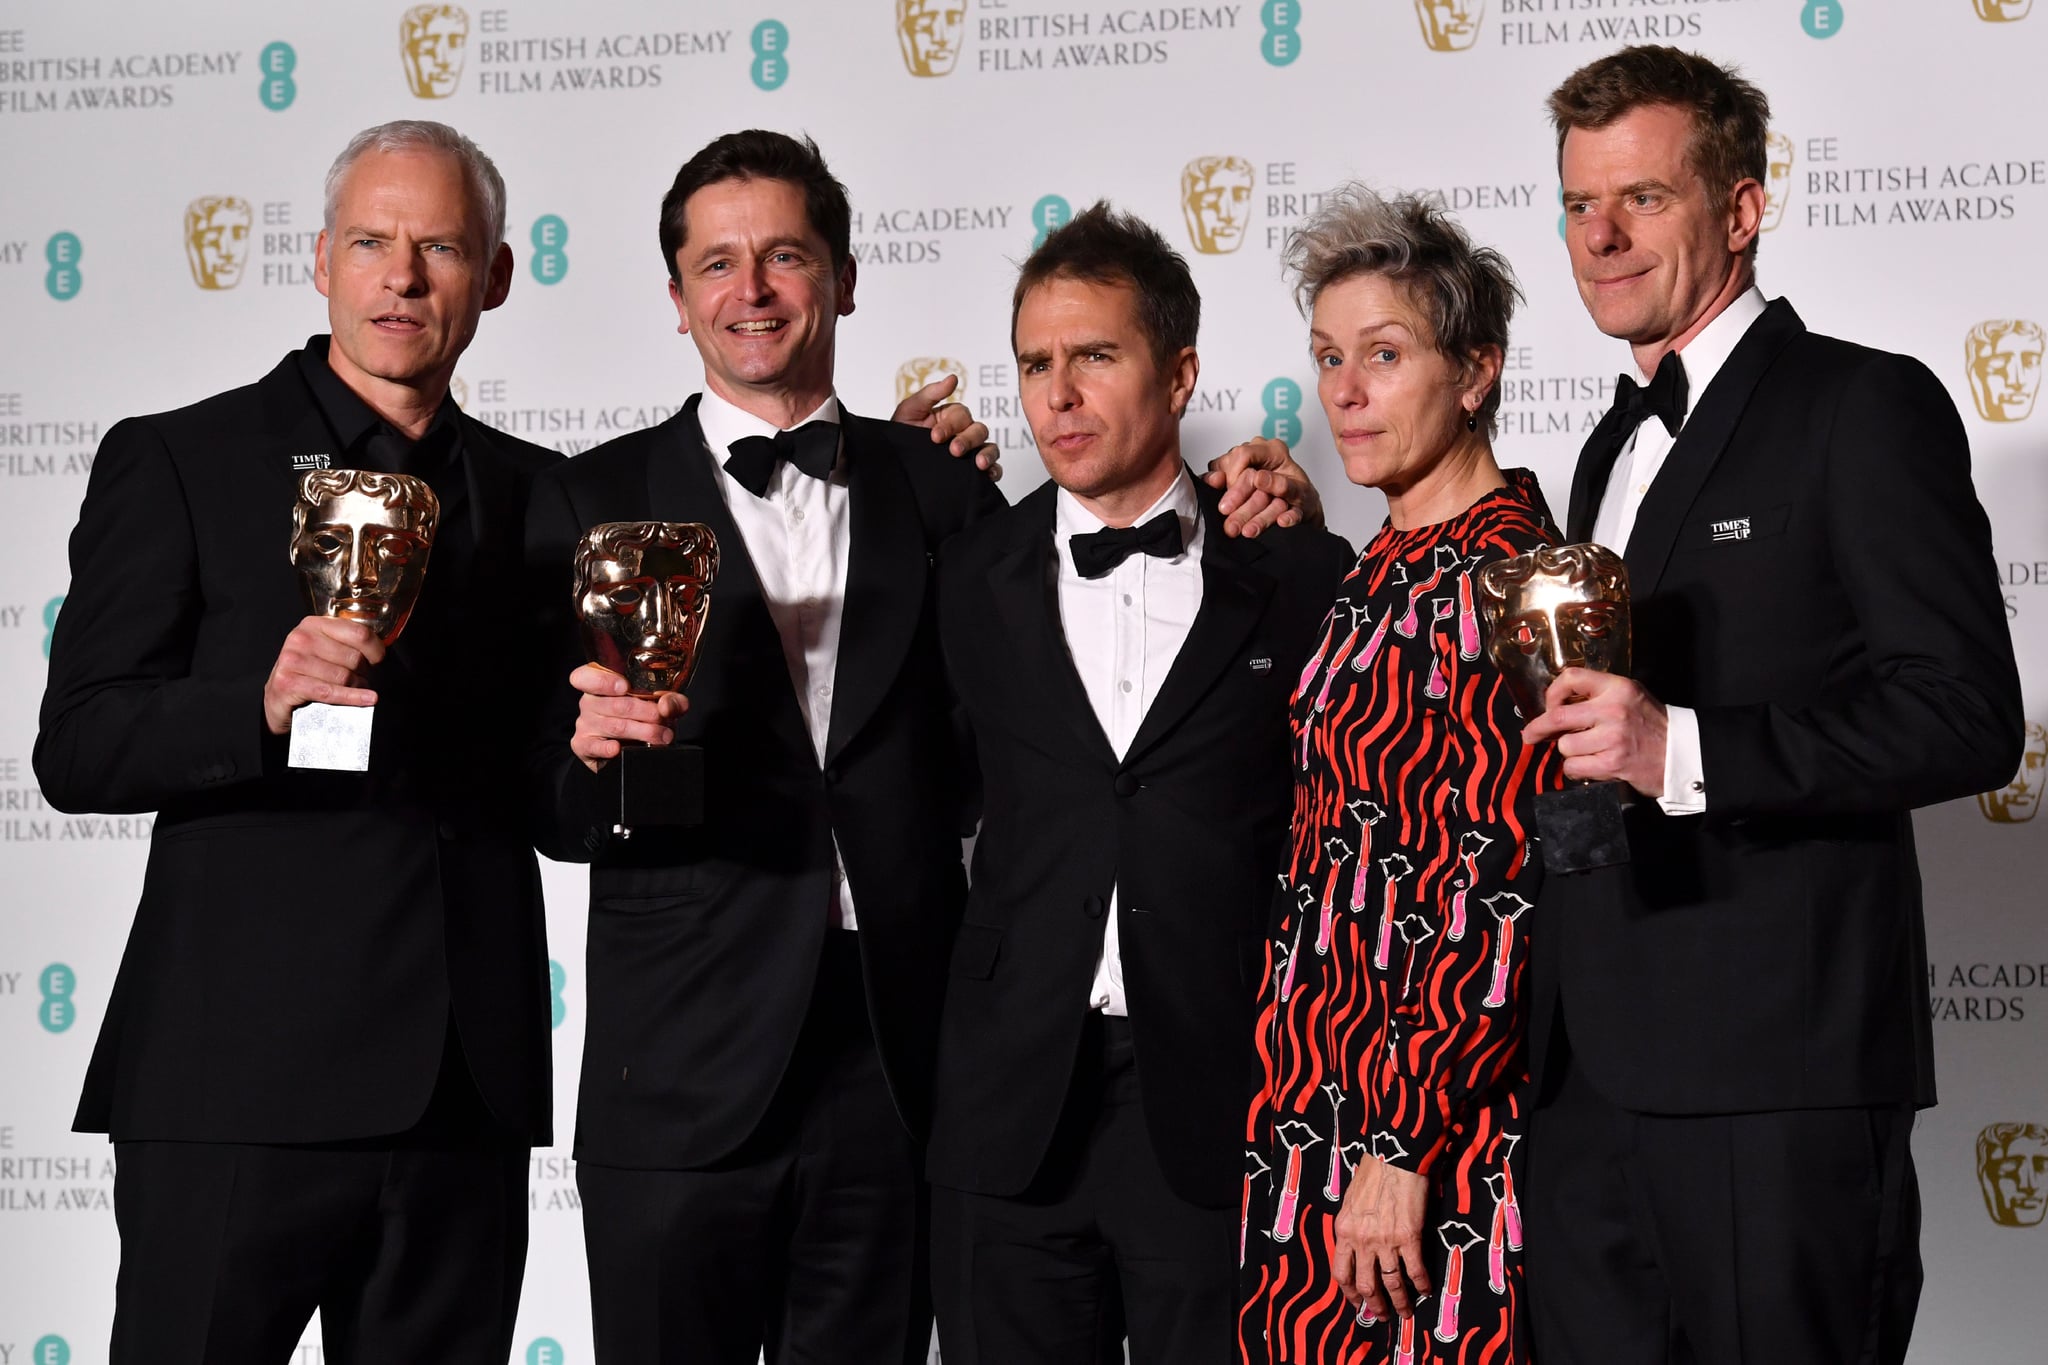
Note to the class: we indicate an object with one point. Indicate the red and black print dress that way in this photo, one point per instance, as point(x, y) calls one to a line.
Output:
point(1390, 1023)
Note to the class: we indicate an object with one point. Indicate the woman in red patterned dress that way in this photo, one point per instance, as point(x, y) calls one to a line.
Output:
point(1380, 1219)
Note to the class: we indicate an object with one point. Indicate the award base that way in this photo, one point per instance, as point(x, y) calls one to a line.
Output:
point(1581, 828)
point(336, 738)
point(660, 788)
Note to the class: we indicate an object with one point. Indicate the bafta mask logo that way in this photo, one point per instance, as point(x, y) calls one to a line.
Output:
point(929, 32)
point(2004, 356)
point(2003, 11)
point(1777, 178)
point(914, 374)
point(2018, 800)
point(1216, 199)
point(643, 591)
point(217, 228)
point(1557, 607)
point(458, 389)
point(360, 540)
point(1450, 25)
point(431, 40)
point(2012, 1171)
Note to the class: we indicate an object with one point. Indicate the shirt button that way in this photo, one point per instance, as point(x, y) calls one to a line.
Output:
point(1127, 599)
point(1125, 685)
point(825, 689)
point(1699, 786)
point(796, 514)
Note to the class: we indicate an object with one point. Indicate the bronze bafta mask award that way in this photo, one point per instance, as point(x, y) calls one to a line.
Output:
point(360, 540)
point(1559, 607)
point(643, 591)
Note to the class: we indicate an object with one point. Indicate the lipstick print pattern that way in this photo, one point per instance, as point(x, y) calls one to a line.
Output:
point(1389, 1025)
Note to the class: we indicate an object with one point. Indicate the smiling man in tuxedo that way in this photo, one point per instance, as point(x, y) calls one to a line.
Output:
point(764, 987)
point(1730, 1032)
point(1125, 667)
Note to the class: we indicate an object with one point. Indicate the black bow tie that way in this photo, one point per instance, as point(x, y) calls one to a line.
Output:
point(1665, 398)
point(812, 448)
point(1097, 552)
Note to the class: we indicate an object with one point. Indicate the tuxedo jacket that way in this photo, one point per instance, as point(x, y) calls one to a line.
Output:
point(1188, 826)
point(704, 942)
point(1812, 573)
point(302, 936)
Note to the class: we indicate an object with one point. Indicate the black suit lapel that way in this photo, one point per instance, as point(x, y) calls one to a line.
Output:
point(1028, 635)
point(740, 659)
point(1589, 478)
point(887, 577)
point(1234, 596)
point(1700, 442)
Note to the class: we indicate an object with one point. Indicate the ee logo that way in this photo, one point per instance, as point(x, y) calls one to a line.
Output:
point(62, 252)
point(1282, 400)
point(278, 89)
point(545, 1351)
point(771, 40)
point(57, 1013)
point(1048, 213)
point(550, 262)
point(558, 1010)
point(50, 610)
point(1821, 18)
point(50, 1350)
point(1281, 44)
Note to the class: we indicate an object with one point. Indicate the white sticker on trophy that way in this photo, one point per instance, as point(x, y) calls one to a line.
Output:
point(334, 737)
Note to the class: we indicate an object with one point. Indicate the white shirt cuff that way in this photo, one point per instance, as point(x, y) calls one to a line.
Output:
point(1685, 776)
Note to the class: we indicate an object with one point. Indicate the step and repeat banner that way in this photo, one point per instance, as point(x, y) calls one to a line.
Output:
point(163, 173)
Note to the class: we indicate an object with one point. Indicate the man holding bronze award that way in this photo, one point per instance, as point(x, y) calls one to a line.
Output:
point(326, 1053)
point(766, 955)
point(1730, 1027)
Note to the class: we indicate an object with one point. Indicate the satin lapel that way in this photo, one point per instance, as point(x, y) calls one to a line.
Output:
point(740, 649)
point(1234, 596)
point(294, 427)
point(1030, 639)
point(1589, 478)
point(497, 512)
point(1705, 435)
point(888, 574)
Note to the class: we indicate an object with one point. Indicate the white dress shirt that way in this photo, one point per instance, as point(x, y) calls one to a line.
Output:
point(1685, 785)
point(797, 538)
point(1124, 630)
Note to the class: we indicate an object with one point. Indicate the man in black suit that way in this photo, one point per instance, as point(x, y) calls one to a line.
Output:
point(1731, 1031)
point(326, 1053)
point(764, 987)
point(1125, 668)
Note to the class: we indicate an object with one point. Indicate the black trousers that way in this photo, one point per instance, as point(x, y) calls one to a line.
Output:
point(410, 1248)
point(1098, 1250)
point(809, 1242)
point(1782, 1238)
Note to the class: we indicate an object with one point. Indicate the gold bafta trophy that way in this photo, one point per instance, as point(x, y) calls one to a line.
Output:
point(643, 592)
point(360, 541)
point(1559, 607)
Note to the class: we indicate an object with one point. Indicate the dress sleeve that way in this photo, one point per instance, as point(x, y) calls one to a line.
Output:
point(1457, 1018)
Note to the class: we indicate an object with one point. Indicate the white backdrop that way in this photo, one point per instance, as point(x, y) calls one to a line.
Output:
point(162, 167)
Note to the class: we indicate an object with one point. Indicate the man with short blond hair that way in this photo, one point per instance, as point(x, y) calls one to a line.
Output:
point(326, 1054)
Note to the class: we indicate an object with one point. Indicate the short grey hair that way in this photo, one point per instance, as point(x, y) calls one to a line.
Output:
point(1466, 292)
point(486, 186)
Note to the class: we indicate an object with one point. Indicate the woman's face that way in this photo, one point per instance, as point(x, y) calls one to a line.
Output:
point(1396, 404)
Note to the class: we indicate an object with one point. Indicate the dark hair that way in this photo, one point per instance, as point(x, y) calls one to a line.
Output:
point(1730, 117)
point(758, 154)
point(1103, 246)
